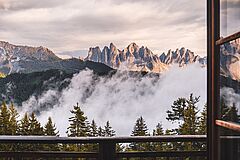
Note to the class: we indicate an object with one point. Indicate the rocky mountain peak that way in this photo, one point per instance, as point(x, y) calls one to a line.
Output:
point(113, 48)
point(13, 57)
point(133, 45)
point(181, 56)
point(132, 56)
point(142, 58)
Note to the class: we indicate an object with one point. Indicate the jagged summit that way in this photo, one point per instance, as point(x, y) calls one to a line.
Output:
point(181, 56)
point(141, 58)
point(132, 57)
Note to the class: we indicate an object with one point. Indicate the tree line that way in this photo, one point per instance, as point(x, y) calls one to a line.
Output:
point(184, 112)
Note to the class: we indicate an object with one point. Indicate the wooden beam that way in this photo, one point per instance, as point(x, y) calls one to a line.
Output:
point(228, 38)
point(84, 140)
point(229, 125)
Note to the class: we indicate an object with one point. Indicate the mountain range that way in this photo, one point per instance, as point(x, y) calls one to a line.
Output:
point(137, 58)
point(33, 70)
point(25, 59)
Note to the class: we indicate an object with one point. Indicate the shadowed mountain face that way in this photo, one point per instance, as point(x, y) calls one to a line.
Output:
point(19, 87)
point(24, 59)
point(142, 58)
point(33, 70)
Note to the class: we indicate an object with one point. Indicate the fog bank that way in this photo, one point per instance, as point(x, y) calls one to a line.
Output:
point(122, 98)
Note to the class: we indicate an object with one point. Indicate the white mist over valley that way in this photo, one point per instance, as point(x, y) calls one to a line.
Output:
point(122, 98)
point(104, 95)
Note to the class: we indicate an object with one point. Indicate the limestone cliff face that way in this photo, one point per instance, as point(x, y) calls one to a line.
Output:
point(142, 58)
point(132, 57)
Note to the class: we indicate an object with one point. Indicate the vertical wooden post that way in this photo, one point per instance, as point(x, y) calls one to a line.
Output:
point(107, 150)
point(213, 69)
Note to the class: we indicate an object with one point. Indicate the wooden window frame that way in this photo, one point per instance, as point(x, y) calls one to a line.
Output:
point(213, 82)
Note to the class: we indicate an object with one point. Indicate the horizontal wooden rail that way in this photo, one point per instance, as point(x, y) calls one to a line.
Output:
point(107, 146)
point(228, 38)
point(229, 125)
point(84, 140)
point(230, 137)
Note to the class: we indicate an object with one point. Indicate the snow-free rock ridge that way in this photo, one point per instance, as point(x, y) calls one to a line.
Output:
point(142, 58)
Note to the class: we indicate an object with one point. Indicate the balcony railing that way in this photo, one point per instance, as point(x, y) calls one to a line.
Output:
point(106, 145)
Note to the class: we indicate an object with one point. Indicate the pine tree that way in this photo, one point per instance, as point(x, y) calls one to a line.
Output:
point(178, 108)
point(100, 132)
point(108, 131)
point(140, 128)
point(190, 117)
point(24, 130)
point(231, 114)
point(78, 124)
point(24, 125)
point(228, 113)
point(4, 120)
point(50, 128)
point(13, 120)
point(88, 129)
point(224, 108)
point(158, 131)
point(203, 122)
point(185, 110)
point(93, 132)
point(5, 125)
point(35, 126)
point(78, 127)
point(93, 129)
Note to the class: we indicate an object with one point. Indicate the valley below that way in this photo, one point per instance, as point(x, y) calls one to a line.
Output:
point(110, 85)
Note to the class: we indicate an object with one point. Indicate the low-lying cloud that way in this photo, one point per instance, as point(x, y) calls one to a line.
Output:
point(230, 97)
point(122, 98)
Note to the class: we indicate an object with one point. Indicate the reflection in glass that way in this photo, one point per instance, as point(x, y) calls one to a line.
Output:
point(230, 99)
point(229, 17)
point(230, 81)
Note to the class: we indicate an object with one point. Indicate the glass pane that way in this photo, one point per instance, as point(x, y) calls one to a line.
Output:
point(230, 99)
point(230, 81)
point(229, 17)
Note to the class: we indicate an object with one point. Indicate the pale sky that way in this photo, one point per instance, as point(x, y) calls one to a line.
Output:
point(69, 25)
